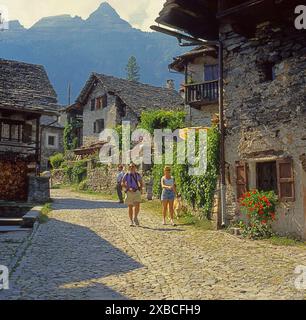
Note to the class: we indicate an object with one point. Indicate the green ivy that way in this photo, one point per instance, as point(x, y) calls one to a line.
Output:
point(161, 119)
point(197, 191)
point(70, 138)
point(75, 171)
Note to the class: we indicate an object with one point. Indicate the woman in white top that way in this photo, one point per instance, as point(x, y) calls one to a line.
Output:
point(168, 194)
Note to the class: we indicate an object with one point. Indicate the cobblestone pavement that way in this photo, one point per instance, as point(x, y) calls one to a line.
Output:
point(88, 251)
point(9, 244)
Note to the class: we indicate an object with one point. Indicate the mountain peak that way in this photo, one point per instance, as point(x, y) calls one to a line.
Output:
point(105, 10)
point(107, 17)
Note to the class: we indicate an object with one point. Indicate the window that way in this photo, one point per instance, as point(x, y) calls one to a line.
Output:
point(102, 102)
point(277, 176)
point(266, 176)
point(11, 130)
point(99, 126)
point(211, 72)
point(92, 104)
point(52, 140)
point(267, 72)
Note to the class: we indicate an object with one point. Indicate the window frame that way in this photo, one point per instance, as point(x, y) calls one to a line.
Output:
point(55, 136)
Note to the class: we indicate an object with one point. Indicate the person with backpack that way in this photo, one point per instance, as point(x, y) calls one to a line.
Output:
point(133, 185)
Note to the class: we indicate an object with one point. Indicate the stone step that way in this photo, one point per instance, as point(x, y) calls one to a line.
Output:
point(11, 221)
point(6, 229)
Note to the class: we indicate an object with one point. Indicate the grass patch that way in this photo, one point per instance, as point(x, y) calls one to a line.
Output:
point(46, 209)
point(187, 220)
point(285, 241)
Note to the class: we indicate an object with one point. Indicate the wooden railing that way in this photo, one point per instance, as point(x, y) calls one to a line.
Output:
point(205, 92)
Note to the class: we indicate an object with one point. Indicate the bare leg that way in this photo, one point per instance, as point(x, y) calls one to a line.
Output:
point(137, 210)
point(171, 209)
point(131, 213)
point(165, 209)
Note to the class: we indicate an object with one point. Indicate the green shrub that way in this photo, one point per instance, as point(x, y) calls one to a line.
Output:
point(83, 186)
point(74, 171)
point(56, 160)
point(161, 119)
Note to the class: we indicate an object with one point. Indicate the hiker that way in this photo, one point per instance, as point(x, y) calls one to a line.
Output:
point(132, 182)
point(120, 176)
point(168, 195)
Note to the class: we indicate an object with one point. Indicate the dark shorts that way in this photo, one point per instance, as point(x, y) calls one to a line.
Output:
point(167, 195)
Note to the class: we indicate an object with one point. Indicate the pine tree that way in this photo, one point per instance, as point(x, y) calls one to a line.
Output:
point(132, 70)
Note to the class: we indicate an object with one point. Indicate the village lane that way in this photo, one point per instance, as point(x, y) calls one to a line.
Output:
point(87, 250)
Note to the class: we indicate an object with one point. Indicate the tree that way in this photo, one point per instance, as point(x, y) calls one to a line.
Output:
point(132, 70)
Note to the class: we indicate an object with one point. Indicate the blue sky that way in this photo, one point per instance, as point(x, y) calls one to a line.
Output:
point(140, 13)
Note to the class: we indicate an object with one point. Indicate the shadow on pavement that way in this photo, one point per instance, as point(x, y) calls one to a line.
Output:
point(79, 204)
point(173, 229)
point(66, 260)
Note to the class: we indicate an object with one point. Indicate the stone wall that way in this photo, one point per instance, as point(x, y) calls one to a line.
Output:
point(102, 179)
point(39, 189)
point(266, 117)
point(202, 116)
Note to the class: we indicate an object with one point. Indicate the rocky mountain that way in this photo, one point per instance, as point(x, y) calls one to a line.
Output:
point(71, 48)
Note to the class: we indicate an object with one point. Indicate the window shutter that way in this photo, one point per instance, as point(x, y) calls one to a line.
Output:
point(104, 101)
point(285, 179)
point(95, 127)
point(242, 182)
point(27, 133)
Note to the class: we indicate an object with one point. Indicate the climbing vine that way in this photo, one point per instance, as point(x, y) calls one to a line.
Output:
point(70, 137)
point(197, 191)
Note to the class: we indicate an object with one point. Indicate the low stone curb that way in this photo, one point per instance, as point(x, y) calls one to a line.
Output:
point(31, 217)
point(21, 250)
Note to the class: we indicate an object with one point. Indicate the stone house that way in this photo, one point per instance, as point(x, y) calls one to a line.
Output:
point(200, 88)
point(264, 79)
point(52, 136)
point(26, 96)
point(106, 101)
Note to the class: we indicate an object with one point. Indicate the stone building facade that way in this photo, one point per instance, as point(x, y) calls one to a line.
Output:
point(200, 69)
point(105, 102)
point(26, 97)
point(264, 96)
point(265, 112)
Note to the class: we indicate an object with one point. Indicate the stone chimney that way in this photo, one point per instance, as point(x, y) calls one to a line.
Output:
point(170, 84)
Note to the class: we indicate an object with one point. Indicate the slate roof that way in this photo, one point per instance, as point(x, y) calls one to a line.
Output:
point(47, 121)
point(26, 87)
point(179, 62)
point(137, 96)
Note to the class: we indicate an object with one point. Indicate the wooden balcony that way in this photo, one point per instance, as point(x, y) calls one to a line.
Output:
point(202, 93)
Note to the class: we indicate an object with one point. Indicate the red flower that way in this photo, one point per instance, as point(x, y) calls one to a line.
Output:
point(261, 212)
point(263, 222)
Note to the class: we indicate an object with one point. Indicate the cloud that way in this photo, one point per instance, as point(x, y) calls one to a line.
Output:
point(140, 13)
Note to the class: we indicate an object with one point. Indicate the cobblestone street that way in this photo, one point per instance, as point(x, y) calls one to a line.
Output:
point(88, 251)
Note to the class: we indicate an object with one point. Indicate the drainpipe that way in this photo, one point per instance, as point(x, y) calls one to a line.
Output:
point(222, 223)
